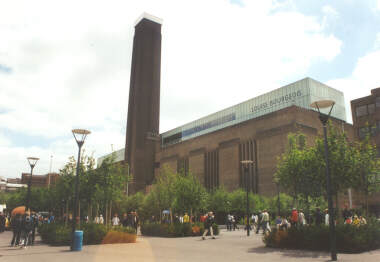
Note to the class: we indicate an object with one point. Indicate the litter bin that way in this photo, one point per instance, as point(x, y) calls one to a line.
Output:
point(78, 240)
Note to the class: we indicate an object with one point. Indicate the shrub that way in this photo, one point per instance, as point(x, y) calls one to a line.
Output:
point(55, 234)
point(59, 234)
point(349, 238)
point(93, 233)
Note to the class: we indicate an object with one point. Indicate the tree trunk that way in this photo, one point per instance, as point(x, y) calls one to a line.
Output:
point(366, 203)
point(337, 217)
point(67, 212)
point(106, 214)
point(110, 212)
point(308, 208)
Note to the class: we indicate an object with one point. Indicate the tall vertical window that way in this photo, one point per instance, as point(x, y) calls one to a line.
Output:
point(361, 111)
point(378, 101)
point(371, 108)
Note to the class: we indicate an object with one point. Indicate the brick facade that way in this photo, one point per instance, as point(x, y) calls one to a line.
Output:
point(215, 157)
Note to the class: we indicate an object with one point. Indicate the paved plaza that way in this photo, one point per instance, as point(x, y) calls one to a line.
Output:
point(229, 246)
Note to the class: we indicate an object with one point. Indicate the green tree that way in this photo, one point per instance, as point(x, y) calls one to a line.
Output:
point(366, 166)
point(190, 195)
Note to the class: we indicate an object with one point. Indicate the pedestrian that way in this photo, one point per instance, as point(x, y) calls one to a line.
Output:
point(294, 217)
point(34, 226)
point(362, 220)
point(327, 217)
point(115, 220)
point(301, 218)
point(186, 218)
point(284, 225)
point(229, 222)
point(16, 228)
point(26, 229)
point(254, 221)
point(135, 221)
point(101, 219)
point(318, 217)
point(346, 214)
point(124, 221)
point(208, 226)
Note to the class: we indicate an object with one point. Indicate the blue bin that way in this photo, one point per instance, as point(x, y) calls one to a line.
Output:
point(78, 240)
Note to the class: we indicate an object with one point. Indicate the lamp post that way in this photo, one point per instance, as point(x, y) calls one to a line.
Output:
point(246, 164)
point(80, 136)
point(324, 118)
point(278, 199)
point(32, 162)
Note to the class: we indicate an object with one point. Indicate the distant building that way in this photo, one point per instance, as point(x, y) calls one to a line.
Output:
point(10, 184)
point(40, 180)
point(366, 120)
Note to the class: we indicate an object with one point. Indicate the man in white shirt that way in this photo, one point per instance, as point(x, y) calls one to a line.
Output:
point(115, 220)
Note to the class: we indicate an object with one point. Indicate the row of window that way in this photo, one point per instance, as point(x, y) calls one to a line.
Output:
point(372, 130)
point(367, 109)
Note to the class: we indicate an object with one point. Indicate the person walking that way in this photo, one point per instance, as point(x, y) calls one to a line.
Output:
point(115, 220)
point(318, 217)
point(2, 222)
point(124, 221)
point(101, 219)
point(229, 222)
point(186, 218)
point(16, 228)
point(208, 226)
point(294, 217)
point(327, 217)
point(301, 218)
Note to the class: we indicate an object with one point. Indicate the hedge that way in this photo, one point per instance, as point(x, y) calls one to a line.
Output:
point(349, 238)
point(57, 234)
point(175, 229)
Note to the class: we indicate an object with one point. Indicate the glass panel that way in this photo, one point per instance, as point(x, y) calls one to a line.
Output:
point(361, 111)
point(371, 108)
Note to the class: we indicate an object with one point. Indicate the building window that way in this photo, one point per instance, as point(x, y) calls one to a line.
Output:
point(371, 108)
point(378, 101)
point(361, 111)
point(363, 131)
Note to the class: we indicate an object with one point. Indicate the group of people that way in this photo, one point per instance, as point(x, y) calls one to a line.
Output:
point(24, 229)
point(129, 220)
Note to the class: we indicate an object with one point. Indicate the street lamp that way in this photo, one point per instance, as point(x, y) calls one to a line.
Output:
point(246, 164)
point(32, 162)
point(324, 118)
point(278, 199)
point(80, 136)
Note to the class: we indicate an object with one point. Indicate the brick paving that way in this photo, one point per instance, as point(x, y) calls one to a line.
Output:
point(229, 246)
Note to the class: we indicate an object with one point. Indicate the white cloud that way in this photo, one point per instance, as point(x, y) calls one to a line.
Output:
point(71, 64)
point(364, 77)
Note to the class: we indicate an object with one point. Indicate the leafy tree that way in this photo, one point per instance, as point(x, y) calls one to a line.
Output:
point(190, 195)
point(366, 166)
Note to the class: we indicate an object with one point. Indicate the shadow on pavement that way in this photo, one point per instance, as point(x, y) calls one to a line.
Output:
point(289, 252)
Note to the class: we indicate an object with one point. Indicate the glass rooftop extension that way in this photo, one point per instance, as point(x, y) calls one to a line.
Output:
point(301, 93)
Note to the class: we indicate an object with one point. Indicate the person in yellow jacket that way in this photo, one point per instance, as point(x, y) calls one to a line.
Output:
point(356, 221)
point(186, 218)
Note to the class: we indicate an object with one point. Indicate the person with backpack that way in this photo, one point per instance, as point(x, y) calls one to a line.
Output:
point(208, 226)
point(26, 229)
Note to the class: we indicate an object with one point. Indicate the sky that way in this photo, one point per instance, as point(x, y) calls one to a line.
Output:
point(66, 64)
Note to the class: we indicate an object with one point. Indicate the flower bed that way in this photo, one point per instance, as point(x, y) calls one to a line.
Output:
point(175, 230)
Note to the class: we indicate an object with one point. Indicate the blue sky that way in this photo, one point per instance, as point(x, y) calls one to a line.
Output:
point(66, 64)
